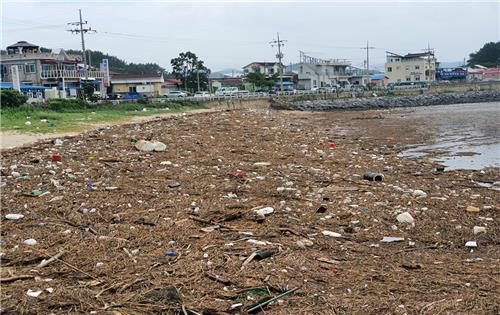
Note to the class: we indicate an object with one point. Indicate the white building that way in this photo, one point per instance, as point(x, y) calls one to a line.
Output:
point(315, 72)
point(411, 68)
point(267, 68)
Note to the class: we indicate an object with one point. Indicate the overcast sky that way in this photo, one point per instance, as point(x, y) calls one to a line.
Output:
point(231, 35)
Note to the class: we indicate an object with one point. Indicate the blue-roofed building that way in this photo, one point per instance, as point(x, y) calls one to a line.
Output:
point(32, 91)
point(379, 80)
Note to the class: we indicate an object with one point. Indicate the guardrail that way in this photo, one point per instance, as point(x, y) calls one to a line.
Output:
point(73, 74)
point(343, 93)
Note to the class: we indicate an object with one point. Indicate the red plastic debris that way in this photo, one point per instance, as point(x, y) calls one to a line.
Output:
point(56, 157)
point(239, 174)
point(332, 145)
point(334, 270)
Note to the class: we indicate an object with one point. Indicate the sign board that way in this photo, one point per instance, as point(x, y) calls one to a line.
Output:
point(447, 74)
point(16, 85)
point(105, 68)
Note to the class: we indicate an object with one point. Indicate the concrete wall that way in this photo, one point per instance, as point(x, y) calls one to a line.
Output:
point(239, 103)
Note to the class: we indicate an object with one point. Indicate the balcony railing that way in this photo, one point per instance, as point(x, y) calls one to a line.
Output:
point(70, 74)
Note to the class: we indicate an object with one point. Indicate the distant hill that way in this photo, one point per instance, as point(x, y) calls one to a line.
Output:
point(118, 65)
point(226, 73)
point(451, 64)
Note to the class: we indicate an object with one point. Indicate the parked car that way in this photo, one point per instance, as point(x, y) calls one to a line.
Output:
point(227, 91)
point(175, 94)
point(202, 94)
point(243, 93)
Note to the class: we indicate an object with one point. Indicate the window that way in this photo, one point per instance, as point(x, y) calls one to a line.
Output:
point(30, 68)
point(389, 69)
point(132, 89)
point(408, 79)
point(417, 67)
point(45, 67)
point(417, 78)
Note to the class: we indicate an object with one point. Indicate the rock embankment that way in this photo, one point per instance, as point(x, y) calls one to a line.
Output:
point(389, 101)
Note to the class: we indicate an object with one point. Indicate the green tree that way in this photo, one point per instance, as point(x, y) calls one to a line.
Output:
point(488, 55)
point(88, 92)
point(188, 68)
point(260, 80)
point(12, 98)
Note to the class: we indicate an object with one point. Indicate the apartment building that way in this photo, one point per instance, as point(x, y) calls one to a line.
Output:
point(410, 68)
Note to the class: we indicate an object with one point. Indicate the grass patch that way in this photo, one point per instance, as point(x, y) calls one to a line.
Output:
point(55, 117)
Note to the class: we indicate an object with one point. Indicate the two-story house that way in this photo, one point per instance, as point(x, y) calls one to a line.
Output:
point(267, 68)
point(410, 68)
point(48, 69)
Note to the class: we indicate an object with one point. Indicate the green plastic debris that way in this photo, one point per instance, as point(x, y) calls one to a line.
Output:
point(36, 192)
point(255, 292)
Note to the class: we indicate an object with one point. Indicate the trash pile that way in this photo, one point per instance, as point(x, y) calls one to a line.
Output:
point(245, 211)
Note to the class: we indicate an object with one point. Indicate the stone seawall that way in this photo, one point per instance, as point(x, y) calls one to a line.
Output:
point(388, 101)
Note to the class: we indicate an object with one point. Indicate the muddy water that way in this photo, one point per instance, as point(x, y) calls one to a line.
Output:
point(463, 136)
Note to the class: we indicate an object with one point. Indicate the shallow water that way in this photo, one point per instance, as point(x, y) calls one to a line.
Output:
point(465, 136)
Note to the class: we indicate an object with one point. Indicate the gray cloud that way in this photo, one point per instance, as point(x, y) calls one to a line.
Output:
point(234, 34)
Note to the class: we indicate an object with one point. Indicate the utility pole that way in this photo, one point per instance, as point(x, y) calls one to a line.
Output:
point(78, 28)
point(198, 78)
point(367, 48)
point(430, 51)
point(279, 55)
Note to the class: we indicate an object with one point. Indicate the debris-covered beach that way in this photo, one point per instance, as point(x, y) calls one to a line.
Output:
point(242, 206)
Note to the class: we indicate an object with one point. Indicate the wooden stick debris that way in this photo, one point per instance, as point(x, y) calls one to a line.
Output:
point(15, 278)
point(212, 223)
point(130, 255)
point(51, 259)
point(218, 278)
point(70, 265)
point(277, 297)
point(248, 260)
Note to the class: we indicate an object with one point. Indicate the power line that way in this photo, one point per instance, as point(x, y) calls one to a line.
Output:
point(279, 42)
point(82, 31)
